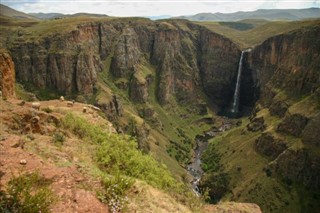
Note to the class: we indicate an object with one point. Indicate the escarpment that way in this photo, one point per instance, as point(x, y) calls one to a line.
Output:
point(187, 59)
point(66, 63)
point(288, 62)
point(218, 55)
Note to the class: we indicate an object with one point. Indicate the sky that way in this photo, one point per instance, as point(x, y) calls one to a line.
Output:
point(148, 8)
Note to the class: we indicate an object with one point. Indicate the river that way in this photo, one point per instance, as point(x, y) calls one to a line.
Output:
point(194, 169)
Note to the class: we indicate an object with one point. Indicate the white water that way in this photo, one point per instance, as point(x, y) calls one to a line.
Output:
point(236, 98)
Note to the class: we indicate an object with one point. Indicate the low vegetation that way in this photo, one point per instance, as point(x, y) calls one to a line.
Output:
point(27, 193)
point(114, 192)
point(215, 181)
point(119, 156)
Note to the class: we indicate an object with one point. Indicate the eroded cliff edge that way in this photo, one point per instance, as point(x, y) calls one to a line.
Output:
point(187, 59)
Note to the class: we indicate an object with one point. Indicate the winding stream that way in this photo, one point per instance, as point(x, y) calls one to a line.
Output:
point(194, 169)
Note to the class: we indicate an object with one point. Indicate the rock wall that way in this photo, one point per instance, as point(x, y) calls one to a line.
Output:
point(311, 133)
point(187, 58)
point(300, 166)
point(290, 62)
point(217, 56)
point(7, 75)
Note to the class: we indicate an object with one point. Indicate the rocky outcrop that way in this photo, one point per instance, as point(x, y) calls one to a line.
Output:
point(138, 90)
point(299, 166)
point(288, 62)
point(256, 124)
point(267, 145)
point(278, 108)
point(66, 62)
point(293, 124)
point(311, 133)
point(7, 75)
point(126, 54)
point(175, 55)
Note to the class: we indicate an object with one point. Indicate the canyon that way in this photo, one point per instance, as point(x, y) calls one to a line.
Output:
point(173, 83)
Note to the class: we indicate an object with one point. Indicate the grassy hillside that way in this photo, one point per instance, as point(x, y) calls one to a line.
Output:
point(234, 153)
point(258, 31)
point(108, 164)
point(9, 12)
point(171, 137)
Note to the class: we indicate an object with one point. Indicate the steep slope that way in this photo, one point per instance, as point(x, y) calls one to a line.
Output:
point(163, 82)
point(288, 62)
point(56, 146)
point(174, 50)
point(135, 70)
point(280, 135)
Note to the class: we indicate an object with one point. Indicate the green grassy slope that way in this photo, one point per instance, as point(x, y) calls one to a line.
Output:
point(171, 136)
point(249, 181)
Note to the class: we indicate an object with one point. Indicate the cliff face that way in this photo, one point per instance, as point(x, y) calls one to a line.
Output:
point(62, 63)
point(218, 55)
point(289, 62)
point(186, 57)
point(7, 75)
point(299, 166)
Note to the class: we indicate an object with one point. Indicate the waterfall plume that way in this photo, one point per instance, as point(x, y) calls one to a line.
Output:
point(236, 95)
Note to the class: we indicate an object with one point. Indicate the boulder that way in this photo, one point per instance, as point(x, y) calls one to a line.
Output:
point(138, 89)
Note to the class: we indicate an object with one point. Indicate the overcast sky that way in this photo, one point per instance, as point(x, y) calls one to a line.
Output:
point(154, 7)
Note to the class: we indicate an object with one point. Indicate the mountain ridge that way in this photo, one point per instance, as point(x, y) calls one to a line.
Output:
point(267, 14)
point(9, 12)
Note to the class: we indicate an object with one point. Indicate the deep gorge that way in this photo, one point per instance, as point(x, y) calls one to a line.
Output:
point(142, 72)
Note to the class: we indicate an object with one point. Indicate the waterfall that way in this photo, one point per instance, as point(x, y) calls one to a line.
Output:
point(236, 98)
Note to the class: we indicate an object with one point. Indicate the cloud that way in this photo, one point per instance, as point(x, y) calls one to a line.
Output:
point(153, 7)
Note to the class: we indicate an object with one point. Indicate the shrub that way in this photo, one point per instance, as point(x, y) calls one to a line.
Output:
point(119, 155)
point(115, 190)
point(47, 110)
point(27, 193)
point(217, 185)
point(58, 138)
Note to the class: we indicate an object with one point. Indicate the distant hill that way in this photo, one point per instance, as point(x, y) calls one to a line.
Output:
point(159, 17)
point(9, 12)
point(47, 15)
point(61, 15)
point(271, 15)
